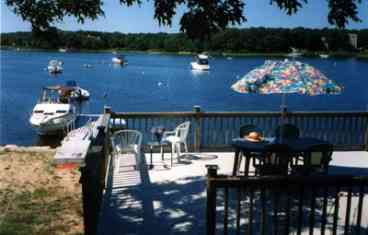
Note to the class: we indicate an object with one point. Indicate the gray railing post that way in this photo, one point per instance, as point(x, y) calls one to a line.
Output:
point(211, 199)
point(198, 128)
point(366, 133)
point(104, 161)
point(92, 189)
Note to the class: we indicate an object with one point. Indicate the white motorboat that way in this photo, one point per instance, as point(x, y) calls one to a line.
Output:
point(201, 62)
point(53, 112)
point(55, 66)
point(324, 56)
point(119, 60)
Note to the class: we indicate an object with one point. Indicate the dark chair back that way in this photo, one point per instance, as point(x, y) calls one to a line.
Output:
point(287, 131)
point(246, 129)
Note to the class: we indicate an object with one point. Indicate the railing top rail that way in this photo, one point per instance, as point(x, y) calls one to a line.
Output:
point(325, 180)
point(230, 114)
point(150, 114)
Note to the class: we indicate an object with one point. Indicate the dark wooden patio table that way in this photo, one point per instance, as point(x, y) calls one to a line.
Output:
point(246, 147)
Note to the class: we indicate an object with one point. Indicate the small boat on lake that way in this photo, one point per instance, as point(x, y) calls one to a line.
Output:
point(76, 92)
point(294, 53)
point(119, 59)
point(54, 112)
point(324, 56)
point(55, 66)
point(201, 62)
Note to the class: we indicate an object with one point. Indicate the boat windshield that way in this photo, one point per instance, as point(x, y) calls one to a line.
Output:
point(203, 61)
point(54, 63)
point(50, 96)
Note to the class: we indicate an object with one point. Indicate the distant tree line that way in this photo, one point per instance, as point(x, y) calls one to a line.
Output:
point(249, 40)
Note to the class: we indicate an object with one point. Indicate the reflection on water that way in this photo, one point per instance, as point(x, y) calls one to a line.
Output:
point(200, 73)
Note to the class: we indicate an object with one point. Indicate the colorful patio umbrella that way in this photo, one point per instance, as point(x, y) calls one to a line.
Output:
point(285, 77)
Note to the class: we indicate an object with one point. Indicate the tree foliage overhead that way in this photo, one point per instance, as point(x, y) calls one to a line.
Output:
point(201, 18)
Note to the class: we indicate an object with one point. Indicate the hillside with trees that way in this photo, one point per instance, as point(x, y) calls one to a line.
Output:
point(248, 40)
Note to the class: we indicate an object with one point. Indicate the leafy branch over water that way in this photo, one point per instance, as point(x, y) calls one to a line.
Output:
point(200, 20)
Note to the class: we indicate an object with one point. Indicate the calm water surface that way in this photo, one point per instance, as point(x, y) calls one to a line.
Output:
point(154, 82)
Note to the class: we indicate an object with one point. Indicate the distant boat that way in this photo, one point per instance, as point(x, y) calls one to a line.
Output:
point(76, 92)
point(201, 62)
point(55, 66)
point(295, 53)
point(119, 60)
point(63, 50)
point(88, 66)
point(324, 56)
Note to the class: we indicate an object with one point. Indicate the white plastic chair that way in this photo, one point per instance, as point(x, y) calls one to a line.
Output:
point(177, 137)
point(126, 141)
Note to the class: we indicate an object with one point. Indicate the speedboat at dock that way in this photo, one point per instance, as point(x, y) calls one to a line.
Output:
point(54, 112)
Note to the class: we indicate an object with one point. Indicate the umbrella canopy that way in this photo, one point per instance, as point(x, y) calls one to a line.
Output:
point(286, 77)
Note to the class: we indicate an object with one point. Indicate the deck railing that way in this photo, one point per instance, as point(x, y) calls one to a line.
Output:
point(284, 205)
point(215, 130)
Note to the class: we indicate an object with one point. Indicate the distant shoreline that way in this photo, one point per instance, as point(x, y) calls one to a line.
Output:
point(363, 55)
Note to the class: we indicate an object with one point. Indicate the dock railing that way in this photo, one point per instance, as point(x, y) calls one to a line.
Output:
point(94, 172)
point(209, 131)
point(215, 130)
point(286, 204)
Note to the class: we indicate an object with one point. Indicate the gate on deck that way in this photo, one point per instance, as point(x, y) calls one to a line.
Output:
point(284, 205)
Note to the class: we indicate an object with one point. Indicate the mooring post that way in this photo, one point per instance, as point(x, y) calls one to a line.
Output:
point(211, 199)
point(107, 109)
point(198, 128)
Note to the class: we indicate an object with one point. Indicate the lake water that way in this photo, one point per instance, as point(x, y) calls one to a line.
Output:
point(153, 82)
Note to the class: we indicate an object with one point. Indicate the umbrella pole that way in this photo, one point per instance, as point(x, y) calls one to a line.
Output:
point(283, 108)
point(283, 115)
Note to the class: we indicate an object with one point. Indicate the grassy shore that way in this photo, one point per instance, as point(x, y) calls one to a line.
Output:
point(37, 198)
point(363, 56)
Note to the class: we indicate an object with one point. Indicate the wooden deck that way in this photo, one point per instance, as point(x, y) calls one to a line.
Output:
point(172, 201)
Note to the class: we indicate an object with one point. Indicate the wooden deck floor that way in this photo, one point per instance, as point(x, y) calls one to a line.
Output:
point(172, 201)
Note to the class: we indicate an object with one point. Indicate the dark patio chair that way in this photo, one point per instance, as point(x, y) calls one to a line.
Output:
point(316, 160)
point(243, 132)
point(275, 161)
point(287, 131)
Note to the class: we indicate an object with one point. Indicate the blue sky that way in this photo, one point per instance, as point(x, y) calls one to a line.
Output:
point(140, 19)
